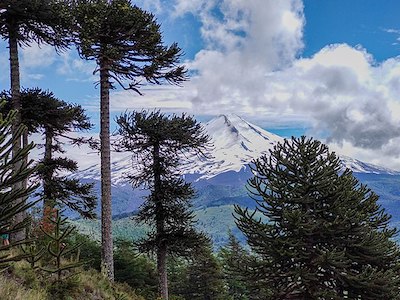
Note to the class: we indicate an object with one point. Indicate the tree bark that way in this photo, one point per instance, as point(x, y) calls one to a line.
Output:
point(48, 199)
point(16, 105)
point(106, 212)
point(162, 271)
point(161, 245)
point(25, 142)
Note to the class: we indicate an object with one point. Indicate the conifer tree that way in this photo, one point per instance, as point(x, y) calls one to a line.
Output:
point(126, 43)
point(23, 22)
point(204, 278)
point(8, 207)
point(55, 119)
point(326, 235)
point(58, 248)
point(33, 254)
point(231, 257)
point(157, 142)
point(135, 269)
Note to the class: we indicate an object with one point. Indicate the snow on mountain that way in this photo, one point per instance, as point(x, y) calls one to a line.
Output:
point(362, 167)
point(236, 143)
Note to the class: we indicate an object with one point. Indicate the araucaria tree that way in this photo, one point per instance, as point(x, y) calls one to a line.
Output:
point(55, 120)
point(126, 44)
point(326, 237)
point(158, 143)
point(23, 22)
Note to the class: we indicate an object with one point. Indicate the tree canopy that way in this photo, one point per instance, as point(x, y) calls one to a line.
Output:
point(326, 236)
point(127, 40)
point(39, 21)
point(23, 22)
point(55, 120)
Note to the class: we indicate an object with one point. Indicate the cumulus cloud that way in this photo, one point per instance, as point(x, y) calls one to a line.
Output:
point(245, 41)
point(251, 65)
point(347, 97)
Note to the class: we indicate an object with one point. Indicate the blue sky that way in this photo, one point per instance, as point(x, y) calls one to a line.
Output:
point(327, 68)
point(355, 22)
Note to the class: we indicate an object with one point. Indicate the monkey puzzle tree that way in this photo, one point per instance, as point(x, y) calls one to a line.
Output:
point(54, 119)
point(23, 22)
point(158, 143)
point(326, 236)
point(126, 43)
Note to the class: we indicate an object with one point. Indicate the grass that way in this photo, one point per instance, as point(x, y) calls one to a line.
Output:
point(11, 289)
point(20, 282)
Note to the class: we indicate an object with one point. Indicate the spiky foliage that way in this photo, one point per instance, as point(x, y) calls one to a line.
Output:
point(8, 178)
point(55, 120)
point(126, 43)
point(33, 253)
point(327, 237)
point(158, 142)
point(135, 269)
point(39, 21)
point(57, 247)
point(41, 108)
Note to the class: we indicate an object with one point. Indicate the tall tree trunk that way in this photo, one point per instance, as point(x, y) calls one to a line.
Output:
point(162, 270)
point(161, 243)
point(25, 142)
point(106, 213)
point(48, 197)
point(16, 105)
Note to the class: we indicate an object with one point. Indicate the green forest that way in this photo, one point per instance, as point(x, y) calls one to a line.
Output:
point(314, 231)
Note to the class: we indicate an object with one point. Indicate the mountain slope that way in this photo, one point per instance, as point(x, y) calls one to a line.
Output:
point(236, 143)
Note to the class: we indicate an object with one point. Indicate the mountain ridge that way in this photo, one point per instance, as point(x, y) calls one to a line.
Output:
point(236, 142)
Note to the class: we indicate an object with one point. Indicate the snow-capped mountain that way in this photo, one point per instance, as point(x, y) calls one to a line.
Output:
point(236, 143)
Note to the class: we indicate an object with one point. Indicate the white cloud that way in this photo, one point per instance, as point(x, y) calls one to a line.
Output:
point(167, 98)
point(34, 76)
point(33, 62)
point(245, 41)
point(150, 5)
point(76, 69)
point(182, 7)
point(36, 56)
